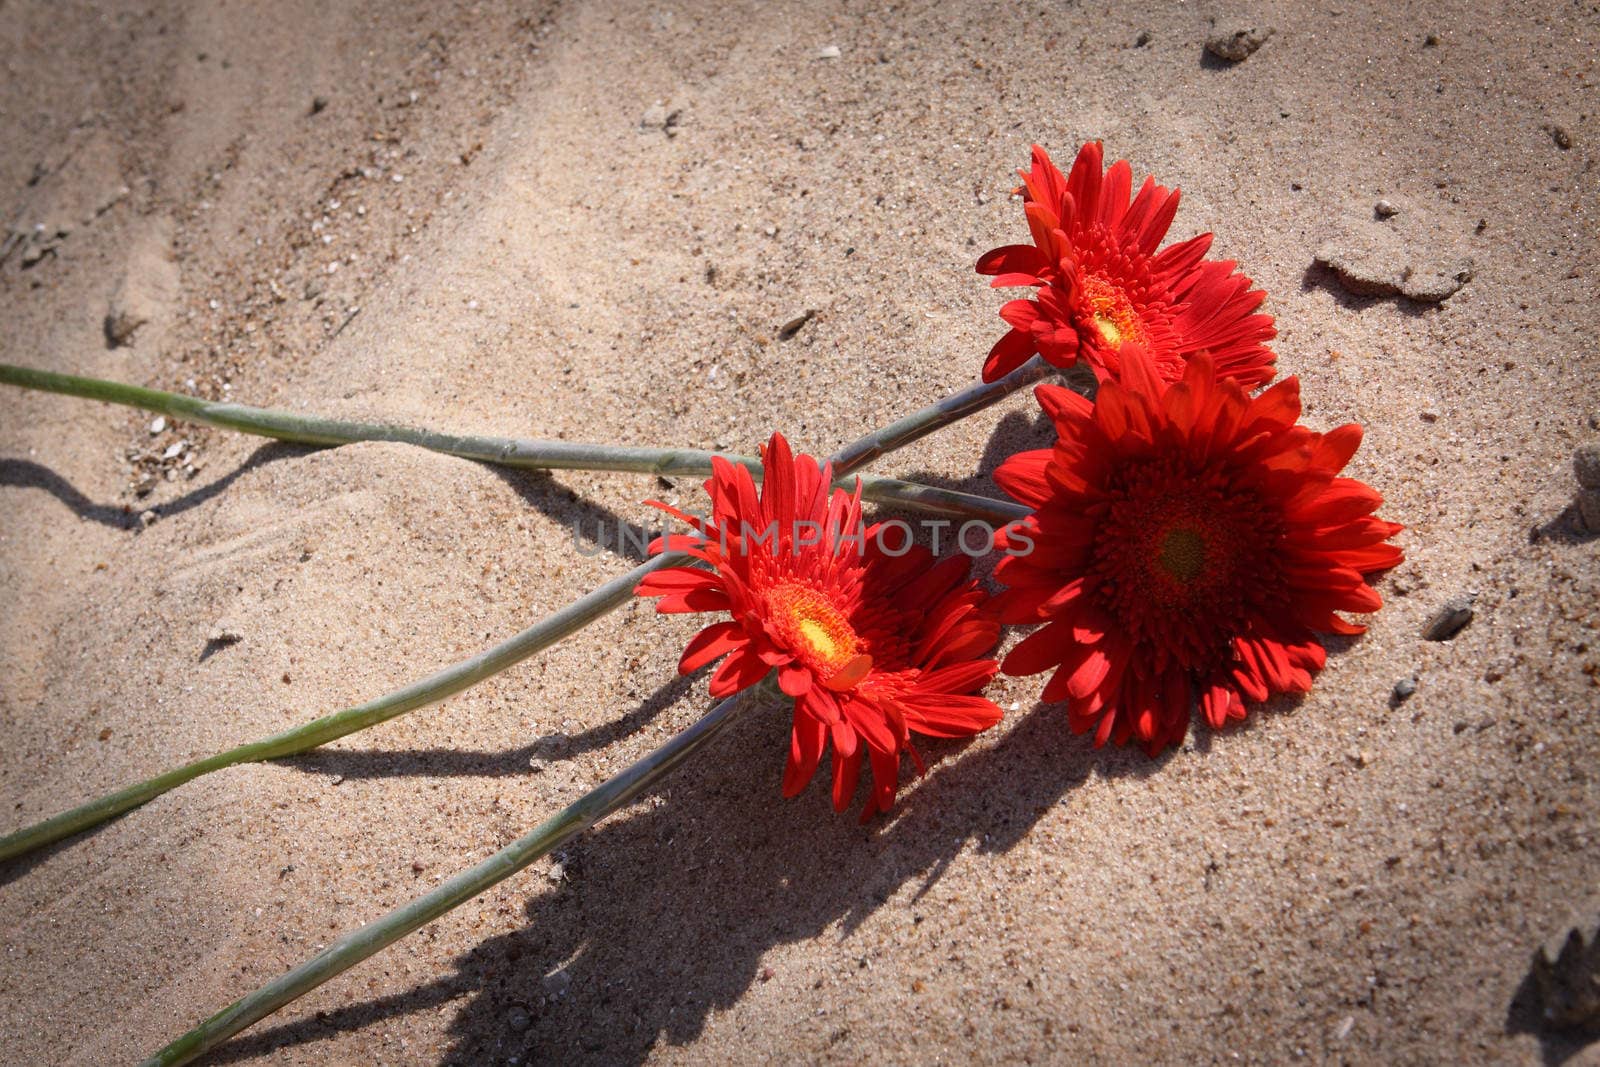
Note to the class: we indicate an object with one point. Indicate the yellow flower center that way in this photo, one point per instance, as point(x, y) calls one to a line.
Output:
point(813, 629)
point(1113, 313)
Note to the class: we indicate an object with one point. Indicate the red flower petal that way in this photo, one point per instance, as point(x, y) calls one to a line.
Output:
point(676, 581)
point(950, 716)
point(1008, 353)
point(846, 772)
point(1022, 476)
point(1012, 259)
point(738, 672)
point(715, 640)
point(806, 743)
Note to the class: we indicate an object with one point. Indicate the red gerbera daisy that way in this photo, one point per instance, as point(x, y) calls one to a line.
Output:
point(1186, 541)
point(872, 641)
point(1102, 284)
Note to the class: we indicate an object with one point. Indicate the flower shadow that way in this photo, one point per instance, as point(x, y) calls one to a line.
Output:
point(668, 913)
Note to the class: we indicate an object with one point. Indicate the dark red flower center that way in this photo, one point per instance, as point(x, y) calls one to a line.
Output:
point(1179, 555)
point(1183, 553)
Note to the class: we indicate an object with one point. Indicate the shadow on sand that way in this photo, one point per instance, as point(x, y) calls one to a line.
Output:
point(668, 909)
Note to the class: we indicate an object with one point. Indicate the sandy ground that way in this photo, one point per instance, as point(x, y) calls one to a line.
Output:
point(476, 216)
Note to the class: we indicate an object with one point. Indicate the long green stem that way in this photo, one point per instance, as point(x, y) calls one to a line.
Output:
point(526, 453)
point(919, 424)
point(435, 687)
point(468, 672)
point(358, 944)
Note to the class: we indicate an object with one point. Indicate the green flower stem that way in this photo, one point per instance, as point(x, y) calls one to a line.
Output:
point(932, 500)
point(939, 414)
point(471, 671)
point(306, 429)
point(377, 935)
point(435, 687)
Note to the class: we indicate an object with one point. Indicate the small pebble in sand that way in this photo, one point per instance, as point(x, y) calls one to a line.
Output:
point(829, 52)
point(658, 116)
point(518, 1019)
point(1561, 137)
point(1342, 1031)
point(1234, 42)
point(1371, 265)
point(1142, 40)
point(793, 326)
point(1385, 210)
point(147, 518)
point(123, 319)
point(557, 982)
point(1450, 619)
point(224, 633)
point(157, 424)
point(1404, 688)
point(1586, 465)
point(318, 103)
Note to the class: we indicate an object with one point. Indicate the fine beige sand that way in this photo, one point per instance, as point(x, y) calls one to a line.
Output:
point(589, 221)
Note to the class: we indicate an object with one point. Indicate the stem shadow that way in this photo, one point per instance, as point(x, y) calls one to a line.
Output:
point(19, 866)
point(28, 474)
point(453, 762)
point(590, 523)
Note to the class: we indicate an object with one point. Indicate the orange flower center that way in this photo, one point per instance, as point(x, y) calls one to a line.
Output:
point(810, 626)
point(1113, 313)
